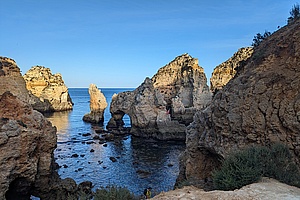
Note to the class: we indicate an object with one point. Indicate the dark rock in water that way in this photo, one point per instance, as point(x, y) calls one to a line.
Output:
point(96, 137)
point(113, 159)
point(99, 130)
point(90, 142)
point(65, 166)
point(86, 134)
point(92, 150)
point(105, 145)
point(82, 155)
point(143, 173)
point(75, 155)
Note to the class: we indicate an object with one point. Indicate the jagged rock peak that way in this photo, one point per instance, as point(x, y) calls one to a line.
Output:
point(224, 72)
point(48, 87)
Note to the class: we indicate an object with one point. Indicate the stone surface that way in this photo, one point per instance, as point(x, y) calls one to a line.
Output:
point(259, 106)
point(11, 80)
point(97, 105)
point(26, 145)
point(162, 107)
point(48, 87)
point(224, 72)
point(269, 189)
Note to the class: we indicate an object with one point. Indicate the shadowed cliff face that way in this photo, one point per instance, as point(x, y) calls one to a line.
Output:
point(163, 106)
point(11, 80)
point(27, 144)
point(260, 105)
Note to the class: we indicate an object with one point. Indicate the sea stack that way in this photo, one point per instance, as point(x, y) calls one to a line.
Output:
point(97, 105)
point(48, 87)
point(162, 107)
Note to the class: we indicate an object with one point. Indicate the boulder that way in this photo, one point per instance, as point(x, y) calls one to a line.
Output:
point(162, 107)
point(97, 105)
point(48, 87)
point(259, 106)
point(11, 80)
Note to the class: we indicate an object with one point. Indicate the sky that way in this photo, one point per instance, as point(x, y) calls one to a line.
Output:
point(118, 43)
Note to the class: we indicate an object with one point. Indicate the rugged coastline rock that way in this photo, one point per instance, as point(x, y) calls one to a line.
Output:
point(97, 105)
point(226, 70)
point(259, 106)
point(11, 80)
point(27, 144)
point(162, 107)
point(48, 87)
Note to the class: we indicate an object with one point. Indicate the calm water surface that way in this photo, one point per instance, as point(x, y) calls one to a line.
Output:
point(140, 163)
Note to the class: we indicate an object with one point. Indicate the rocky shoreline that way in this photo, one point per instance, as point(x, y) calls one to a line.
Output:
point(258, 104)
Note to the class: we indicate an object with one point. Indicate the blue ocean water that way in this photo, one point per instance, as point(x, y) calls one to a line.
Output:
point(140, 163)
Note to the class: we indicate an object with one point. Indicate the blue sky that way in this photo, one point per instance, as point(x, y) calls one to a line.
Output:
point(118, 43)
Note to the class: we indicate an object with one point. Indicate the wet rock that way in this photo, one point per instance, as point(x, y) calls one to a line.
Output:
point(143, 173)
point(105, 145)
point(113, 159)
point(86, 134)
point(96, 137)
point(92, 150)
point(65, 166)
point(75, 155)
point(82, 155)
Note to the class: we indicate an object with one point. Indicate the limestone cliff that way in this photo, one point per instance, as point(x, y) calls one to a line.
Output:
point(97, 105)
point(226, 70)
point(11, 80)
point(260, 105)
point(164, 105)
point(27, 143)
point(48, 87)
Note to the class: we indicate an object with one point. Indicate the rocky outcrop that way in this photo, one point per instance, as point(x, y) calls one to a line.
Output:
point(48, 87)
point(97, 105)
point(11, 80)
point(162, 107)
point(224, 72)
point(268, 189)
point(27, 143)
point(259, 106)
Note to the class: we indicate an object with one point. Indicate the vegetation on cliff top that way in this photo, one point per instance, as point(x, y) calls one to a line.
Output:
point(250, 165)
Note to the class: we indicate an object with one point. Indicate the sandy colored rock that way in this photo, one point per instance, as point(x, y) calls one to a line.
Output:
point(268, 190)
point(48, 87)
point(97, 105)
point(224, 72)
point(162, 107)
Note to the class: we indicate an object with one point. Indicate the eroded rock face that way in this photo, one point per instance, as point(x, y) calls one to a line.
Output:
point(162, 107)
point(48, 87)
point(27, 143)
point(259, 106)
point(11, 80)
point(224, 72)
point(97, 105)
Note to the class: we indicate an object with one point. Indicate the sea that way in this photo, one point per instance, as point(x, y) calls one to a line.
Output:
point(139, 163)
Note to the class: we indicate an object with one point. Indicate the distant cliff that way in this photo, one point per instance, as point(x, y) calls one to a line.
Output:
point(48, 87)
point(11, 80)
point(224, 72)
point(162, 107)
point(260, 105)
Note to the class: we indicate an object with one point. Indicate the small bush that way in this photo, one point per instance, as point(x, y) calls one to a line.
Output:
point(259, 38)
point(114, 193)
point(295, 14)
point(249, 165)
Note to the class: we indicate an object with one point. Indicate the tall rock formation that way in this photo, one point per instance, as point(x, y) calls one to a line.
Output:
point(11, 80)
point(27, 142)
point(162, 107)
point(97, 105)
point(259, 106)
point(224, 72)
point(48, 87)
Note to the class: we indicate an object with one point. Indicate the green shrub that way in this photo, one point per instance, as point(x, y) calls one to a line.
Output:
point(248, 166)
point(113, 193)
